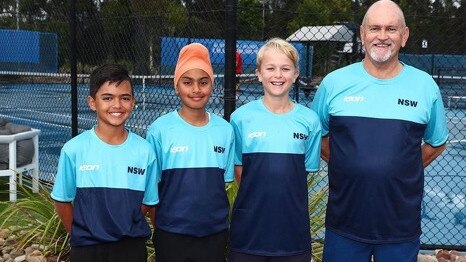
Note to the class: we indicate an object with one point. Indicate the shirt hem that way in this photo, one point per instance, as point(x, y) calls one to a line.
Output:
point(190, 233)
point(60, 200)
point(265, 253)
point(372, 241)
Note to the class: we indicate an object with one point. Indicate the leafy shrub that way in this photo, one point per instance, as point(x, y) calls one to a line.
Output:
point(32, 220)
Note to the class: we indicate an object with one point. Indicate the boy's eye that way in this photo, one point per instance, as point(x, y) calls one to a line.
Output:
point(107, 98)
point(127, 98)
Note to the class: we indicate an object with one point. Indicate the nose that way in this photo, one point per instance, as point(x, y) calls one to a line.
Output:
point(278, 73)
point(383, 35)
point(196, 88)
point(117, 103)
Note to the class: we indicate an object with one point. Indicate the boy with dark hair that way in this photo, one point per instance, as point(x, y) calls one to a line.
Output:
point(196, 159)
point(105, 181)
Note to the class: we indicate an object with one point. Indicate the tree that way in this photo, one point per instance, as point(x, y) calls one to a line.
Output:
point(91, 47)
point(250, 23)
point(118, 33)
point(206, 18)
point(418, 19)
point(8, 11)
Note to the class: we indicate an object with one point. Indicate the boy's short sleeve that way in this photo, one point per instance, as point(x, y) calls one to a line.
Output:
point(151, 193)
point(312, 159)
point(230, 167)
point(238, 154)
point(64, 188)
point(153, 137)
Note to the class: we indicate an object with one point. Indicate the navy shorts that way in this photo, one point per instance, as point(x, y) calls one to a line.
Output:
point(338, 248)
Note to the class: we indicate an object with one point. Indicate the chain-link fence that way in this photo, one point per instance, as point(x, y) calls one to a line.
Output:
point(146, 36)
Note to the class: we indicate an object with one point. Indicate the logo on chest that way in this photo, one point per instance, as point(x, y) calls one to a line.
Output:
point(257, 134)
point(89, 167)
point(407, 102)
point(353, 98)
point(219, 149)
point(177, 149)
point(136, 170)
point(300, 136)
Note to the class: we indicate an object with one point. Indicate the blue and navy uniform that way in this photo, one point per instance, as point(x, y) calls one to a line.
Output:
point(107, 185)
point(194, 164)
point(270, 215)
point(376, 127)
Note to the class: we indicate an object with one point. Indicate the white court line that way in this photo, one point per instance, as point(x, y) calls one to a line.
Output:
point(456, 141)
point(56, 115)
point(34, 121)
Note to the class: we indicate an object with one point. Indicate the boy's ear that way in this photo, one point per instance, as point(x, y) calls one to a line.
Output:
point(296, 74)
point(91, 103)
point(258, 74)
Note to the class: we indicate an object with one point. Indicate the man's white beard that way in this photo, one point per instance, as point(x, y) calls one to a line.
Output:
point(381, 58)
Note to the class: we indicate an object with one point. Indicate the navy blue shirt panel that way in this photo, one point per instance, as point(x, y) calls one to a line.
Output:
point(362, 164)
point(275, 186)
point(184, 193)
point(125, 221)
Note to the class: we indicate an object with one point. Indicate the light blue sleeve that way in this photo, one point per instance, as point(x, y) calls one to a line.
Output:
point(321, 107)
point(313, 148)
point(153, 137)
point(238, 155)
point(436, 133)
point(64, 188)
point(230, 168)
point(151, 193)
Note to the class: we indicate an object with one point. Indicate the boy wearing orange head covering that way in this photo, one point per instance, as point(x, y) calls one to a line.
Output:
point(194, 150)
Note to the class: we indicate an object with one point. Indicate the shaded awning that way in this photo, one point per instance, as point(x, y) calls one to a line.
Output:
point(327, 33)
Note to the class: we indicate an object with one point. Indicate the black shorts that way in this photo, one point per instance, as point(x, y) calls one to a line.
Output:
point(171, 247)
point(242, 257)
point(128, 249)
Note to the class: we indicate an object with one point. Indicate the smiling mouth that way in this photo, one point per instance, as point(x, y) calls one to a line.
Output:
point(382, 45)
point(196, 97)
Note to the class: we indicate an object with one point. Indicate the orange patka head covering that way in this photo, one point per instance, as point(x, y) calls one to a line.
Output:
point(193, 56)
